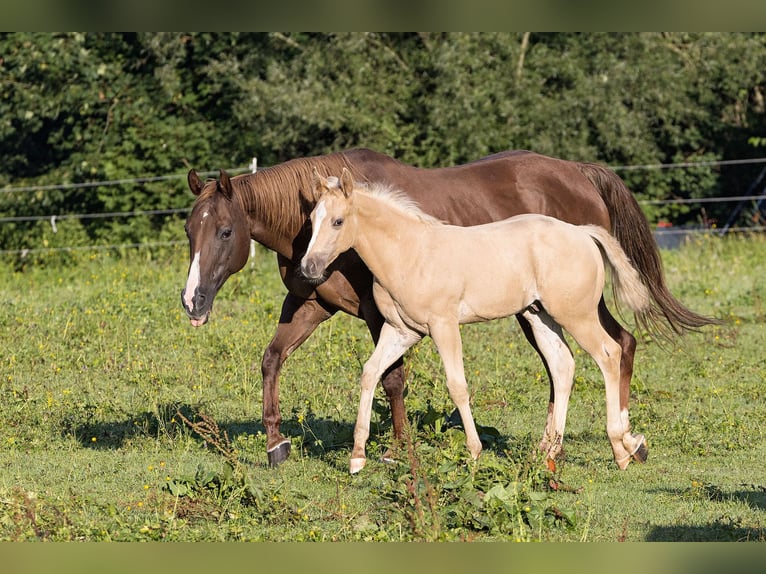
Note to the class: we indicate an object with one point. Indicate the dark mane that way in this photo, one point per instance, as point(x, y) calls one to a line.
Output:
point(274, 193)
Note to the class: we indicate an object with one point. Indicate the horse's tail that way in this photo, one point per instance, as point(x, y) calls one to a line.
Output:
point(631, 228)
point(629, 289)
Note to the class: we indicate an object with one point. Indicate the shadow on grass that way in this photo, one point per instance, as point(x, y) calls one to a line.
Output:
point(718, 531)
point(751, 494)
point(724, 529)
point(319, 435)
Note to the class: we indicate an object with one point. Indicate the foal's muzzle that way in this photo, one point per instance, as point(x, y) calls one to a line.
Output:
point(313, 269)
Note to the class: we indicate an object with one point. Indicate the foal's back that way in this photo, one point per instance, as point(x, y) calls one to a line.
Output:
point(498, 269)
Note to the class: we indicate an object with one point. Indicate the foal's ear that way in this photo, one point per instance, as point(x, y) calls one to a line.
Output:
point(318, 185)
point(195, 183)
point(224, 184)
point(346, 182)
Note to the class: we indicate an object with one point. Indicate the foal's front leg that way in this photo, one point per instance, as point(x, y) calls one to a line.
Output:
point(393, 343)
point(446, 337)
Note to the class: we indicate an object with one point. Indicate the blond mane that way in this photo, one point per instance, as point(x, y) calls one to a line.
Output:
point(395, 199)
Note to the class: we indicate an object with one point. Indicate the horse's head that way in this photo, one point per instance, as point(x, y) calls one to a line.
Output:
point(219, 241)
point(332, 230)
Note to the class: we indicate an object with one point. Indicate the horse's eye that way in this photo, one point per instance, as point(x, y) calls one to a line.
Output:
point(338, 222)
point(225, 233)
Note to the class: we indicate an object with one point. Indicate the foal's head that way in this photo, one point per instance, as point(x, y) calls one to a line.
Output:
point(332, 223)
point(219, 241)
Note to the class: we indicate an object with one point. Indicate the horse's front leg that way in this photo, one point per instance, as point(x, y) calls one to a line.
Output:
point(299, 318)
point(392, 344)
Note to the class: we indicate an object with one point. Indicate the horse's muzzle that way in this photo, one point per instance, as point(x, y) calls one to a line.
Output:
point(197, 314)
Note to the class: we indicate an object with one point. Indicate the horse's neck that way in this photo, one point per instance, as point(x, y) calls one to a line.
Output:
point(385, 237)
point(270, 223)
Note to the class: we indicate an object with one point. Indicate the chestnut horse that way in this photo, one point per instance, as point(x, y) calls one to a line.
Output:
point(430, 277)
point(267, 206)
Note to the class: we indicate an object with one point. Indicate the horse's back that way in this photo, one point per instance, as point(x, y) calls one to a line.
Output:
point(491, 188)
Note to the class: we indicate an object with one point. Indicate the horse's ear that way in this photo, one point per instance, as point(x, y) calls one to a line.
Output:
point(346, 182)
point(195, 183)
point(224, 184)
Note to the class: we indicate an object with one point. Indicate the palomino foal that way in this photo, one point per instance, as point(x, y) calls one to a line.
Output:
point(430, 277)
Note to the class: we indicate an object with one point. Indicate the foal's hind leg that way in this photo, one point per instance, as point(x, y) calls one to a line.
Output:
point(529, 333)
point(560, 364)
point(628, 344)
point(592, 337)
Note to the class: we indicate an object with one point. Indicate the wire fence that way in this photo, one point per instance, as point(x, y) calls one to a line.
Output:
point(54, 218)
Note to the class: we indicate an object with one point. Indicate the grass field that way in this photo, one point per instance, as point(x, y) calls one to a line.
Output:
point(122, 422)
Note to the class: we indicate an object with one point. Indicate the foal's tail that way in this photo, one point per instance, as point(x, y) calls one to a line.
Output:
point(665, 314)
point(629, 289)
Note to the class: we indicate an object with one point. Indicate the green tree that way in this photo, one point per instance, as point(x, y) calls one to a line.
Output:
point(82, 108)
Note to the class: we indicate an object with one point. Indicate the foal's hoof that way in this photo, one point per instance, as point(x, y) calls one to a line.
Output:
point(279, 453)
point(642, 450)
point(356, 465)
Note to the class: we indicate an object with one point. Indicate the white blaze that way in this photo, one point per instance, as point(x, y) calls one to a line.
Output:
point(192, 282)
point(319, 215)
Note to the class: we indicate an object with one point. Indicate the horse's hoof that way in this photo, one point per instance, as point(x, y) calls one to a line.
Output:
point(642, 450)
point(551, 464)
point(388, 457)
point(356, 465)
point(279, 453)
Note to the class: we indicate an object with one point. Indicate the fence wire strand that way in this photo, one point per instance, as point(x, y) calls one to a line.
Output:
point(177, 211)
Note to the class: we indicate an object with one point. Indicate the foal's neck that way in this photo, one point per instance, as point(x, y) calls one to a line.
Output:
point(387, 237)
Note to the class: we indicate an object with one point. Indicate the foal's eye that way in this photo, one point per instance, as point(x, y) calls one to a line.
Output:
point(338, 222)
point(225, 233)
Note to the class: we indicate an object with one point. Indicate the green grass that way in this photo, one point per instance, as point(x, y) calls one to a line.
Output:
point(98, 360)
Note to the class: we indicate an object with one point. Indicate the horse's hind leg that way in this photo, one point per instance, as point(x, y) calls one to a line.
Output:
point(299, 318)
point(628, 344)
point(559, 362)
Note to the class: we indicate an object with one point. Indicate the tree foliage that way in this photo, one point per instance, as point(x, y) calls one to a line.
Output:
point(77, 108)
